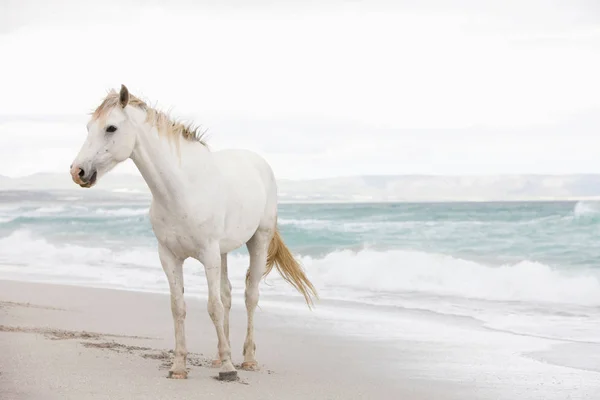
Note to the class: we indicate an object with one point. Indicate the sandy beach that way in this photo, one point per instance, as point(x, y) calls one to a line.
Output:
point(68, 342)
point(64, 342)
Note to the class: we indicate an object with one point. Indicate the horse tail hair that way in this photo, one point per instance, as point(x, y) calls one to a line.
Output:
point(290, 269)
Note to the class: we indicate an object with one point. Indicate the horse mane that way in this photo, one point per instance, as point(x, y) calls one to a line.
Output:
point(159, 119)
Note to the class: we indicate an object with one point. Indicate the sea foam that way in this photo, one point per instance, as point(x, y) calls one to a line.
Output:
point(368, 270)
point(586, 208)
point(122, 212)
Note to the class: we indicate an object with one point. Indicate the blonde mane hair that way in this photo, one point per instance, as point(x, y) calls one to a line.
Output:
point(159, 119)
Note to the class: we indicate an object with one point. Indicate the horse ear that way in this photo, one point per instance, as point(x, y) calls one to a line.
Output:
point(123, 96)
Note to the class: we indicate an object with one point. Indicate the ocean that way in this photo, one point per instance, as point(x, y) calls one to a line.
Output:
point(531, 268)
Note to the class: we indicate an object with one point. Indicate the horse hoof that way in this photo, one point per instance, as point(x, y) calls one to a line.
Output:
point(177, 375)
point(216, 364)
point(250, 366)
point(228, 376)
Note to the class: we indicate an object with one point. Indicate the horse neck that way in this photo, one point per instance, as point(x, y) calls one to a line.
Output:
point(160, 165)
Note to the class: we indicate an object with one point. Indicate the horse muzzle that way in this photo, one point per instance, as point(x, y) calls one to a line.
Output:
point(85, 179)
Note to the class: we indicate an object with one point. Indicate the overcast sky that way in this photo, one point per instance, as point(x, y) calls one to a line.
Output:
point(320, 88)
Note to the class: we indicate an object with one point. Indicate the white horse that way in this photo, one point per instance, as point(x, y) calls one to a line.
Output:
point(204, 205)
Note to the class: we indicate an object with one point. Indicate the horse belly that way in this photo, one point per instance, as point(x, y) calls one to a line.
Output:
point(240, 225)
point(230, 244)
point(246, 204)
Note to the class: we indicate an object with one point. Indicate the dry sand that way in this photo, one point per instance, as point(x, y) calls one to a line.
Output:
point(66, 342)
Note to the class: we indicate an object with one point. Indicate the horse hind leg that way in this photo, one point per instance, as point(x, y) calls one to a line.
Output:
point(258, 247)
point(226, 299)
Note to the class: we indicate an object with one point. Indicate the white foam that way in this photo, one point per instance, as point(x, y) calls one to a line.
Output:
point(411, 271)
point(305, 223)
point(46, 210)
point(22, 254)
point(393, 271)
point(123, 212)
point(70, 198)
point(586, 208)
point(126, 190)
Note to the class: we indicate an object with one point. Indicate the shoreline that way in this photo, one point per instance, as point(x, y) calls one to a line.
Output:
point(338, 352)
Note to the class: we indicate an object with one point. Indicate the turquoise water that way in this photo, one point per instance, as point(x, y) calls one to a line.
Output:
point(489, 261)
point(564, 234)
point(561, 234)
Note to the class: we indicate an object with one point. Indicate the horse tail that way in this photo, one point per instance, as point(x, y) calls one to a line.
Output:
point(289, 268)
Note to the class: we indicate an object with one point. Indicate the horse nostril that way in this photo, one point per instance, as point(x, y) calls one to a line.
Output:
point(81, 173)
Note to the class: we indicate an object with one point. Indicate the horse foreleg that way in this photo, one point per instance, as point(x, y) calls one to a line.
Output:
point(258, 247)
point(173, 268)
point(212, 265)
point(226, 299)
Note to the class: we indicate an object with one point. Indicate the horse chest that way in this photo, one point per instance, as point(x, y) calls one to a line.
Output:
point(183, 235)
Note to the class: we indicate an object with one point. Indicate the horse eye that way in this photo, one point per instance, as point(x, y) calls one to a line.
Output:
point(111, 128)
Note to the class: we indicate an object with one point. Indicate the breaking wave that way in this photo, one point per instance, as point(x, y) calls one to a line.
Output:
point(376, 272)
point(586, 208)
